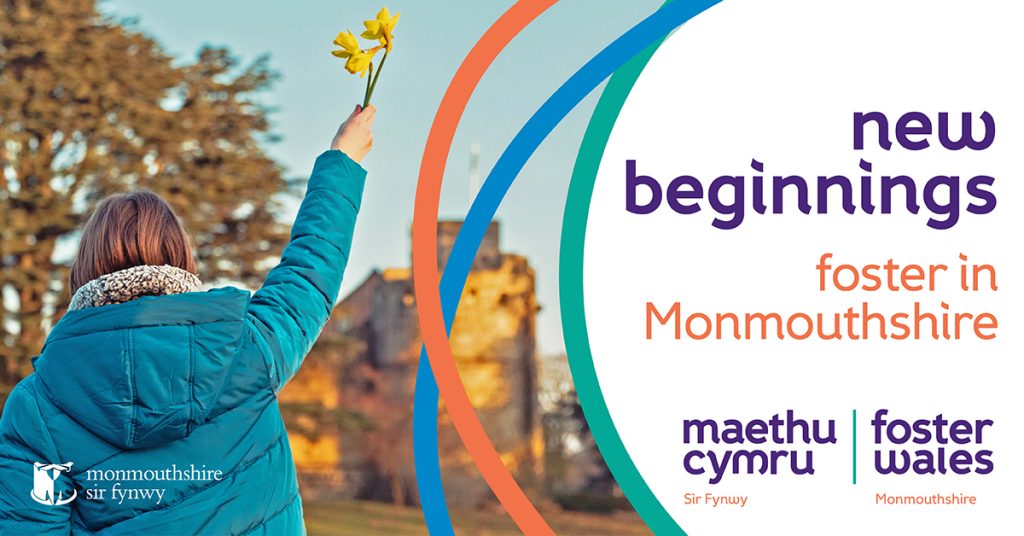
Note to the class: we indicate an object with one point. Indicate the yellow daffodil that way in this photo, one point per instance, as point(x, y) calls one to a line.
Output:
point(347, 42)
point(359, 61)
point(382, 28)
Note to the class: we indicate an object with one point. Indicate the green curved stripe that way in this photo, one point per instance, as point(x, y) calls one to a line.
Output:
point(570, 280)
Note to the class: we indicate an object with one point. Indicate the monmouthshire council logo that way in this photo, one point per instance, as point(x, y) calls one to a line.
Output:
point(45, 475)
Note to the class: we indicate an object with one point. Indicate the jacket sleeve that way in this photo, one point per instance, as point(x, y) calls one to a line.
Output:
point(296, 299)
point(25, 442)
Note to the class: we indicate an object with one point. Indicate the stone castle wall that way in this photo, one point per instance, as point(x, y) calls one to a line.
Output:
point(370, 369)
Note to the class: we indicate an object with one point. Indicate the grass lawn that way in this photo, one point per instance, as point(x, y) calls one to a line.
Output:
point(366, 518)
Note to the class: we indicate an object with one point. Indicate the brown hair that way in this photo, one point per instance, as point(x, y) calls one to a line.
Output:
point(129, 230)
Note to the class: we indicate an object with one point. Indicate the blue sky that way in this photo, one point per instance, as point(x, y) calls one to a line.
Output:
point(315, 94)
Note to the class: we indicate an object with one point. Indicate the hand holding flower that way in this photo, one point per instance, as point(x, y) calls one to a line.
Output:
point(354, 137)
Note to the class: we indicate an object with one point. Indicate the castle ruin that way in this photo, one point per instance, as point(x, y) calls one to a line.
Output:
point(349, 410)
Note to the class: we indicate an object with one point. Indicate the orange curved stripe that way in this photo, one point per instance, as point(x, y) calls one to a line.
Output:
point(424, 260)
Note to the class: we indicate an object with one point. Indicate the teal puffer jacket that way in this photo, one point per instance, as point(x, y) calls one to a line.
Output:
point(160, 415)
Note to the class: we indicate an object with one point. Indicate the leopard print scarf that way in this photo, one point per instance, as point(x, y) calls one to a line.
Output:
point(129, 284)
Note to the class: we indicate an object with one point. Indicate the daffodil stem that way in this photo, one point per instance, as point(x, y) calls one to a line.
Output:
point(371, 86)
point(366, 95)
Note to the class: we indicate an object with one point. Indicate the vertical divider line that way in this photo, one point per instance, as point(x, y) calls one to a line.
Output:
point(854, 447)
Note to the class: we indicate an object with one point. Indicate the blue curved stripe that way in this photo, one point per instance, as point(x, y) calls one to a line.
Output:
point(505, 171)
point(425, 455)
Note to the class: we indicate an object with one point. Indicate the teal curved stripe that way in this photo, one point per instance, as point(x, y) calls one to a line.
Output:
point(570, 281)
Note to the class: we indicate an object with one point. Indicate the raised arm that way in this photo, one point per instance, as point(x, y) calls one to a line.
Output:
point(296, 299)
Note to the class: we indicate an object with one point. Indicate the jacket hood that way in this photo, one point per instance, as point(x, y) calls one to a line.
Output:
point(144, 372)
